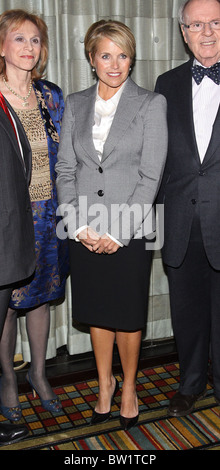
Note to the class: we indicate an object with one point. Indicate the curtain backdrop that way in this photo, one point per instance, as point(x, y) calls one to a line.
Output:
point(159, 48)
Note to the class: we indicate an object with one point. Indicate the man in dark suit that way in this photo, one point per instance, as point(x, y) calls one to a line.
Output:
point(17, 247)
point(190, 191)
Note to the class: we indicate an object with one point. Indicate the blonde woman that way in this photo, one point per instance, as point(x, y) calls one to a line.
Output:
point(112, 153)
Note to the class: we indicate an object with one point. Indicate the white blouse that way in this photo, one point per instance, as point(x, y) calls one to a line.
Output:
point(104, 115)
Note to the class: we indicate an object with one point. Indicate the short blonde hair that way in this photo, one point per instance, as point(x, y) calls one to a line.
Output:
point(10, 20)
point(116, 31)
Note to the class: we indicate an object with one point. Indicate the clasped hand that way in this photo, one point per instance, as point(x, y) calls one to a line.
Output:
point(94, 243)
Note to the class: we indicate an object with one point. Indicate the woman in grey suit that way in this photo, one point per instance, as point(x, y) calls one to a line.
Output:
point(110, 161)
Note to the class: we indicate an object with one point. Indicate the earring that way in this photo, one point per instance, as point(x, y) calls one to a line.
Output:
point(93, 69)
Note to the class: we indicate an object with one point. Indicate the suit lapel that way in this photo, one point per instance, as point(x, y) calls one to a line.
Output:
point(186, 109)
point(215, 138)
point(24, 144)
point(185, 83)
point(127, 109)
point(4, 121)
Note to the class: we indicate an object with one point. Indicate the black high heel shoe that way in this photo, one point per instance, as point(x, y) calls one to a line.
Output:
point(98, 418)
point(128, 423)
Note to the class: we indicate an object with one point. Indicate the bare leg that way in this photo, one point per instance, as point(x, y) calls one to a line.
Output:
point(129, 349)
point(38, 325)
point(103, 342)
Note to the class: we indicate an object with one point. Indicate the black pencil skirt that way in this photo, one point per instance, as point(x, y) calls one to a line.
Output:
point(111, 291)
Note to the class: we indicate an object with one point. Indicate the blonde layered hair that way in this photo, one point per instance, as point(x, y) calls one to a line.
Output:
point(116, 31)
point(10, 20)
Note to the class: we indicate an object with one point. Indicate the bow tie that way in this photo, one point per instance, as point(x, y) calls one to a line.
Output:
point(199, 72)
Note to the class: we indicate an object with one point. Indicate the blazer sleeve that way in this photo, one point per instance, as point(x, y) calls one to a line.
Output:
point(150, 171)
point(66, 174)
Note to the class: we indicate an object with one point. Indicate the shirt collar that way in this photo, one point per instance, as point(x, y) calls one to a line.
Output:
point(196, 62)
point(115, 98)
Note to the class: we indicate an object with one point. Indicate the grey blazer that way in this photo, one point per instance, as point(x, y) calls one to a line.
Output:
point(17, 245)
point(116, 195)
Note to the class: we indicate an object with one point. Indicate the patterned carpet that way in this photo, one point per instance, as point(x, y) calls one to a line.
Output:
point(69, 430)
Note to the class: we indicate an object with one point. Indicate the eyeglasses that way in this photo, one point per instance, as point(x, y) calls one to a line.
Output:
point(198, 26)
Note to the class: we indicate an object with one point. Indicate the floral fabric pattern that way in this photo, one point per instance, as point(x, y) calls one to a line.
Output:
point(52, 267)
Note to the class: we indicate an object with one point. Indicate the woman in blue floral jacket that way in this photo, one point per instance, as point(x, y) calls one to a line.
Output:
point(39, 105)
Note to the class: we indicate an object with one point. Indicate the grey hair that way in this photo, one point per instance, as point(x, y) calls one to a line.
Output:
point(182, 10)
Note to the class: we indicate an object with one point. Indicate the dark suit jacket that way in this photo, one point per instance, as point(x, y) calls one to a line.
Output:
point(187, 184)
point(17, 250)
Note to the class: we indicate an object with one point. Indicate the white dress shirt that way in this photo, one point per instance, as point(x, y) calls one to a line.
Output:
point(206, 100)
point(103, 117)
